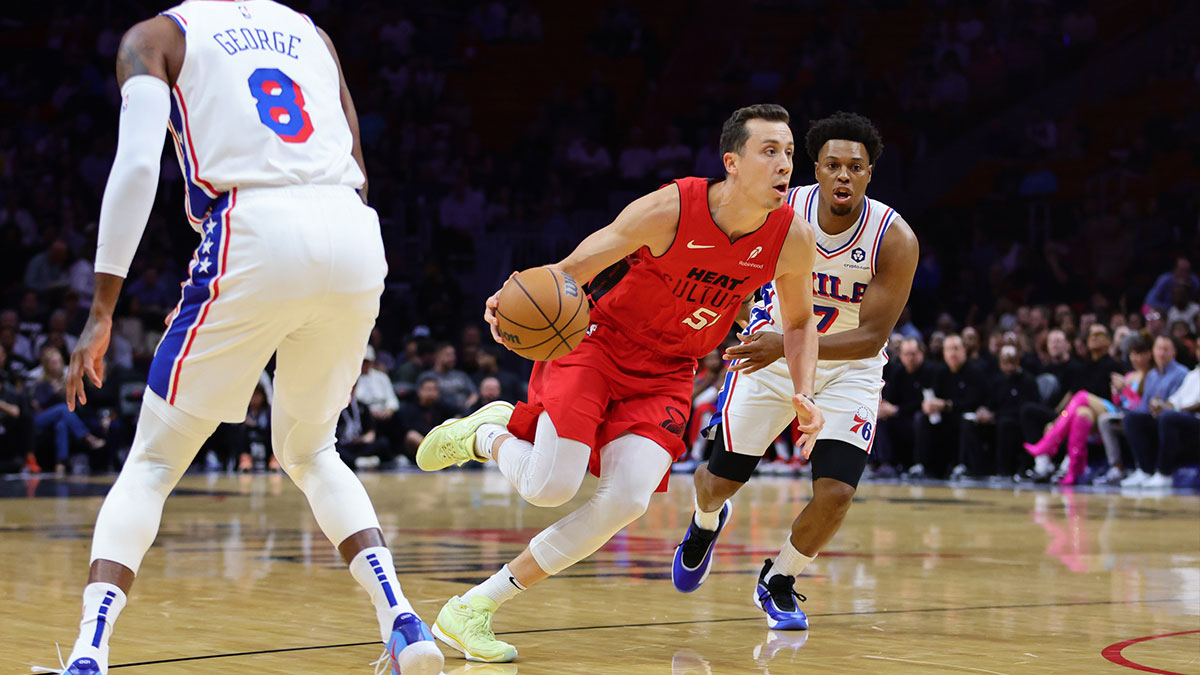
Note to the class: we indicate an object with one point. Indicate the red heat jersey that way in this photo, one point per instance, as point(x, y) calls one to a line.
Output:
point(684, 302)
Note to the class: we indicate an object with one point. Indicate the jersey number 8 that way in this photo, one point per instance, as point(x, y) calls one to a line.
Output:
point(280, 104)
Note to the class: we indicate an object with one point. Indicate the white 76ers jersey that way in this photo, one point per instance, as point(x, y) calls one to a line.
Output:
point(257, 103)
point(844, 265)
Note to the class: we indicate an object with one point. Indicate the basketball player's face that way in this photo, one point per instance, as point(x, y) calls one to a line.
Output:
point(843, 172)
point(764, 167)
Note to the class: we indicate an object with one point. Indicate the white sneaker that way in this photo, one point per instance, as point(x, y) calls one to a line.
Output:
point(1042, 465)
point(1135, 479)
point(1158, 480)
point(958, 472)
point(1113, 476)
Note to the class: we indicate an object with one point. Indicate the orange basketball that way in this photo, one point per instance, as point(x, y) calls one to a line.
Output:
point(543, 314)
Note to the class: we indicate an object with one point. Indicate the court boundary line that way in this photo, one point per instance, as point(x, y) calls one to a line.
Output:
point(757, 617)
point(1113, 652)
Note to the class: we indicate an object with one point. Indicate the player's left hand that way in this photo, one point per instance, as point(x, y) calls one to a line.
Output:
point(809, 421)
point(757, 351)
point(88, 358)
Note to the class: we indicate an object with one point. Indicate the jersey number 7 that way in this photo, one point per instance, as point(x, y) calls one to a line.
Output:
point(280, 104)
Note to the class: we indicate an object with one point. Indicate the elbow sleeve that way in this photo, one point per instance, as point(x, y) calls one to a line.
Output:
point(133, 180)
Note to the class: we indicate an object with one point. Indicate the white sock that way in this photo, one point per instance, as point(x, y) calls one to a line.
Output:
point(372, 568)
point(789, 562)
point(102, 603)
point(708, 520)
point(501, 587)
point(485, 435)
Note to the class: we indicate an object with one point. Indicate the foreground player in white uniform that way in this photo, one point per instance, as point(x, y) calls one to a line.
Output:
point(861, 280)
point(290, 262)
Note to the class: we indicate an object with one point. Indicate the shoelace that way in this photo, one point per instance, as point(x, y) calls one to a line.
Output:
point(383, 664)
point(480, 625)
point(62, 667)
point(782, 591)
point(695, 546)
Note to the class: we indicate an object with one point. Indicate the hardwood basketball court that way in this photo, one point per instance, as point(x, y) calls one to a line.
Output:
point(921, 579)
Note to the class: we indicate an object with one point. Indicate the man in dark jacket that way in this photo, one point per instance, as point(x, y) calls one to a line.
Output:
point(996, 423)
point(957, 389)
point(899, 408)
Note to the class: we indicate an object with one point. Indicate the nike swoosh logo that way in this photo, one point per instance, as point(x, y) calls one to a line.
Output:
point(693, 244)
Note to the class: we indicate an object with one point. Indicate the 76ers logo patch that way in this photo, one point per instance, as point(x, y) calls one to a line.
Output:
point(863, 423)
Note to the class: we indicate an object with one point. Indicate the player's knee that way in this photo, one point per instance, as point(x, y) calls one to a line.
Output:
point(833, 493)
point(549, 495)
point(623, 508)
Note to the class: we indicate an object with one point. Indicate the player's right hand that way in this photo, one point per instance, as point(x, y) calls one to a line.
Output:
point(757, 351)
point(489, 313)
point(809, 421)
point(88, 358)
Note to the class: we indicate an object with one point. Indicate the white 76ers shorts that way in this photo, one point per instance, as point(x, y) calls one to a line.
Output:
point(293, 271)
point(755, 408)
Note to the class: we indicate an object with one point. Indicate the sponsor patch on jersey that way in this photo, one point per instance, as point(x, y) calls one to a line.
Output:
point(858, 254)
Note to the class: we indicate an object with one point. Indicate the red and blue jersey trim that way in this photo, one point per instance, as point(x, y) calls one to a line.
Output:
point(199, 292)
point(888, 217)
point(177, 18)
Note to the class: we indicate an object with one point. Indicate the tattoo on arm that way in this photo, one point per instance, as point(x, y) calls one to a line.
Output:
point(131, 61)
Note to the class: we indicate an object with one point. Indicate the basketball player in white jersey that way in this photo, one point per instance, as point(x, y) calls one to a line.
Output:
point(290, 262)
point(861, 280)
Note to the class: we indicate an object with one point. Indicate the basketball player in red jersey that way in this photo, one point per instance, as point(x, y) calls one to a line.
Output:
point(676, 265)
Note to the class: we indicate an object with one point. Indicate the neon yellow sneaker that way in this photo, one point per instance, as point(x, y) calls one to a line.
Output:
point(467, 627)
point(453, 441)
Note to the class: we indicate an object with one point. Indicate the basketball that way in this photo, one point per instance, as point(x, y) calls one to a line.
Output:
point(542, 314)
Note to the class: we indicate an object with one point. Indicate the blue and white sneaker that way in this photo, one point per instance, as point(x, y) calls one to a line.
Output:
point(694, 555)
point(83, 666)
point(411, 649)
point(777, 598)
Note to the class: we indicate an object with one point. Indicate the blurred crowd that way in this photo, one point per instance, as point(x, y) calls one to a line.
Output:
point(1046, 154)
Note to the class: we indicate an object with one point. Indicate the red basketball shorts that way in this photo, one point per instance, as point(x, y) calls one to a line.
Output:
point(610, 385)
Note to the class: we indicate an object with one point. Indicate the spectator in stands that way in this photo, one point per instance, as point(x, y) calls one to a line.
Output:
point(47, 271)
point(1141, 424)
point(428, 411)
point(899, 409)
point(374, 389)
point(359, 446)
point(1058, 378)
point(19, 347)
point(489, 391)
point(487, 365)
point(15, 424)
point(957, 389)
point(1183, 307)
point(1128, 388)
point(1079, 415)
point(998, 419)
point(636, 161)
point(457, 390)
point(252, 438)
point(1161, 295)
point(52, 420)
point(155, 294)
point(418, 357)
point(56, 335)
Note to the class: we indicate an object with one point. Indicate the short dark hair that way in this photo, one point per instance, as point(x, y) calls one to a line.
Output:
point(734, 133)
point(847, 127)
point(1140, 344)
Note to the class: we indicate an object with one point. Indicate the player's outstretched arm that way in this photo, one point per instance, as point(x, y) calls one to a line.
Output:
point(651, 221)
point(883, 300)
point(793, 288)
point(149, 56)
point(351, 114)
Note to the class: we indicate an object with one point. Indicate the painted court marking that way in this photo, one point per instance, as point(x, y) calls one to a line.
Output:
point(1113, 652)
point(931, 663)
point(757, 617)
